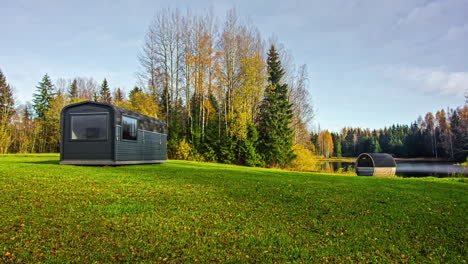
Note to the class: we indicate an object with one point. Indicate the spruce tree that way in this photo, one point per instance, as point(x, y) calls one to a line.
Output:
point(135, 90)
point(73, 90)
point(105, 95)
point(7, 103)
point(374, 146)
point(337, 144)
point(276, 136)
point(118, 95)
point(248, 147)
point(45, 94)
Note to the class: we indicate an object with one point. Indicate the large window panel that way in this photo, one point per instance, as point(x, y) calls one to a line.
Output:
point(89, 127)
point(129, 128)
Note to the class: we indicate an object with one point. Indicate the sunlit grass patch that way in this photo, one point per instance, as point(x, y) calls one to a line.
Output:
point(185, 212)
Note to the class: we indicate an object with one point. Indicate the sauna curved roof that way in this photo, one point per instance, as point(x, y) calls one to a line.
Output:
point(375, 160)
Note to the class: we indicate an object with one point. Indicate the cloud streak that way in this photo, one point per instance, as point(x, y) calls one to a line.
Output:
point(434, 81)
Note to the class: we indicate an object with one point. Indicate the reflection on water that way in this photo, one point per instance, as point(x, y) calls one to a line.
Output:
point(334, 167)
point(435, 169)
point(404, 168)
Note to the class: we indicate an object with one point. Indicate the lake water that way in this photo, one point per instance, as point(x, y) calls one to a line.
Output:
point(405, 168)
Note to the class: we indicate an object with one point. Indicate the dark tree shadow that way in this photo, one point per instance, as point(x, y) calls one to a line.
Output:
point(55, 162)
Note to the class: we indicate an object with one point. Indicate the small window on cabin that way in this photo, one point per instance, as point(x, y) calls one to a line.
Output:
point(89, 127)
point(129, 128)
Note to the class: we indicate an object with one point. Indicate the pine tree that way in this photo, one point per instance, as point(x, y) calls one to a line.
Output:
point(118, 95)
point(105, 95)
point(276, 136)
point(73, 90)
point(7, 103)
point(41, 99)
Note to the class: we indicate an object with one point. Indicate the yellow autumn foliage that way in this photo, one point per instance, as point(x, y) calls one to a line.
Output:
point(182, 150)
point(246, 99)
point(304, 160)
point(143, 103)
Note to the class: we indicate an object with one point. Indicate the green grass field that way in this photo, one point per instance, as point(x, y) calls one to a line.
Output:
point(186, 212)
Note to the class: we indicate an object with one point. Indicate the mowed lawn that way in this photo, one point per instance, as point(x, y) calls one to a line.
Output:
point(186, 212)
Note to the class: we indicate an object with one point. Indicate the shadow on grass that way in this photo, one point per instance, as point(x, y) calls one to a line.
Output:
point(55, 162)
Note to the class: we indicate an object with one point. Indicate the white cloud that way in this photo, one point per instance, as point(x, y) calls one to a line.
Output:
point(432, 80)
point(424, 12)
point(456, 32)
point(432, 11)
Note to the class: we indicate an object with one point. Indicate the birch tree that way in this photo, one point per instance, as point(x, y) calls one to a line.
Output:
point(7, 110)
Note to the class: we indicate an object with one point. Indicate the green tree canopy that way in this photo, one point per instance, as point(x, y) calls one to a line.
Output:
point(7, 103)
point(44, 94)
point(276, 136)
point(73, 90)
point(105, 95)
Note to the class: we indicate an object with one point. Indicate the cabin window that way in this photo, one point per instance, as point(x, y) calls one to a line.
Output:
point(129, 128)
point(89, 127)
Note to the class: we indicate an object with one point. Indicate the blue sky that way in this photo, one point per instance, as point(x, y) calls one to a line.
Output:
point(371, 63)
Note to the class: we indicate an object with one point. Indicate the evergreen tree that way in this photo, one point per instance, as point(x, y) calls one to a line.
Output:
point(7, 103)
point(374, 146)
point(105, 95)
point(43, 97)
point(337, 144)
point(338, 148)
point(176, 133)
point(314, 142)
point(248, 147)
point(135, 90)
point(118, 95)
point(73, 90)
point(276, 136)
point(347, 147)
point(27, 114)
point(459, 126)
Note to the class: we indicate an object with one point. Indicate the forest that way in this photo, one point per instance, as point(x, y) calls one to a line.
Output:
point(227, 95)
point(440, 136)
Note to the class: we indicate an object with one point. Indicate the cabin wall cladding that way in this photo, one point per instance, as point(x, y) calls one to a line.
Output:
point(148, 146)
point(102, 134)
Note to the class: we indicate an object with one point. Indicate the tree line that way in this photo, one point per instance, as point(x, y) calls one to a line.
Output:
point(216, 87)
point(223, 96)
point(441, 135)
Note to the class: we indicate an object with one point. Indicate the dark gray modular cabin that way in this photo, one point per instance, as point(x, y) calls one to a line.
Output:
point(103, 134)
point(375, 164)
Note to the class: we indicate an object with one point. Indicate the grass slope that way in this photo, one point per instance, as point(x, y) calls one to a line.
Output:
point(189, 212)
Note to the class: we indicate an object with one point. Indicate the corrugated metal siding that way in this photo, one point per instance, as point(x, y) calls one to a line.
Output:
point(148, 146)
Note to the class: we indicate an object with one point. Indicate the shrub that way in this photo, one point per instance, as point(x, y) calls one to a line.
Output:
point(304, 160)
point(182, 150)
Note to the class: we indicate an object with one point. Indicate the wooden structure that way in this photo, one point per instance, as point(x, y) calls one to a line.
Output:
point(375, 164)
point(103, 134)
